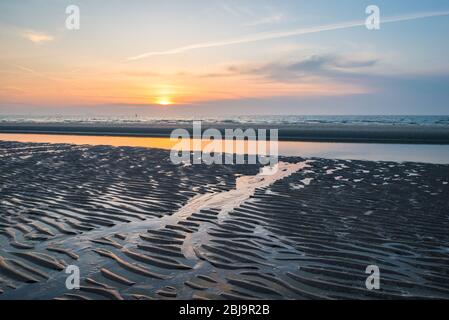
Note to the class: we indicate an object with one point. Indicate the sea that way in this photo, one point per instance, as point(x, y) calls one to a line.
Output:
point(250, 119)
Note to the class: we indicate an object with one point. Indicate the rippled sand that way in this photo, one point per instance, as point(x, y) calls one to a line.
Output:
point(139, 227)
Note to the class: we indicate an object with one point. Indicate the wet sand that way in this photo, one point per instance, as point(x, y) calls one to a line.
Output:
point(375, 133)
point(140, 227)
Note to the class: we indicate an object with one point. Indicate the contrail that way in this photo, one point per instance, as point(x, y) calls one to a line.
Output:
point(288, 33)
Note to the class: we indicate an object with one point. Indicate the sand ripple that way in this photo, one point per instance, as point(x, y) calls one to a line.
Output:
point(134, 225)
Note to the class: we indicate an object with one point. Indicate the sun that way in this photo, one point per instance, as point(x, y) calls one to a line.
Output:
point(164, 102)
point(163, 95)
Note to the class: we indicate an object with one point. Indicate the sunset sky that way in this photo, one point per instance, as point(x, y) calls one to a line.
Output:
point(224, 57)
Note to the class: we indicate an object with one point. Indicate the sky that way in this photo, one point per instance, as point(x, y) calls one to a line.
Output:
point(218, 57)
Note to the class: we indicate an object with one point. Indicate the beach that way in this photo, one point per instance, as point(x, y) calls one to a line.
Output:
point(253, 154)
point(140, 227)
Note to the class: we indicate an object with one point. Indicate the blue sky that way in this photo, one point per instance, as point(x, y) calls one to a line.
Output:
point(223, 57)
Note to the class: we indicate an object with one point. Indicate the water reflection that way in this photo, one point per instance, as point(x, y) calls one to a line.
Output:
point(354, 151)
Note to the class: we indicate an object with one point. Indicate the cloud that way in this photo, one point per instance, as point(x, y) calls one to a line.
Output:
point(13, 89)
point(276, 18)
point(37, 37)
point(144, 74)
point(315, 66)
point(246, 13)
point(283, 34)
point(236, 10)
point(356, 63)
point(331, 63)
point(326, 65)
point(37, 73)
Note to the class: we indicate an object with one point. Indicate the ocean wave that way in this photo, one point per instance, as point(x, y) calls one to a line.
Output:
point(261, 119)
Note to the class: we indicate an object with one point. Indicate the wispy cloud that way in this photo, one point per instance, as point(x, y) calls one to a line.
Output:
point(13, 88)
point(236, 10)
point(252, 17)
point(275, 18)
point(284, 34)
point(37, 37)
point(324, 67)
point(37, 73)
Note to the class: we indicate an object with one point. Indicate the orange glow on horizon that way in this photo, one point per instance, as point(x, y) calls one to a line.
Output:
point(164, 102)
point(94, 87)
